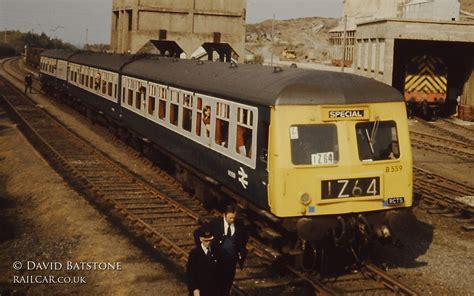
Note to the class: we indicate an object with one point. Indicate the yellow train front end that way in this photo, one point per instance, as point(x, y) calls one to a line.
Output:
point(333, 167)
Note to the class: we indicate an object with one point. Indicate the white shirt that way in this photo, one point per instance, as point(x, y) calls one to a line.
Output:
point(226, 225)
point(204, 248)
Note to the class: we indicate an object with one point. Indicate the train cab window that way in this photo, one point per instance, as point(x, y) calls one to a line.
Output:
point(377, 140)
point(187, 112)
point(314, 144)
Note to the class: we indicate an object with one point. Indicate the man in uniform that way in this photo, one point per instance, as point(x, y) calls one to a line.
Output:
point(28, 83)
point(201, 269)
point(230, 240)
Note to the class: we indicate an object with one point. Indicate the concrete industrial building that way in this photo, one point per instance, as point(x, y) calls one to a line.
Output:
point(189, 23)
point(383, 35)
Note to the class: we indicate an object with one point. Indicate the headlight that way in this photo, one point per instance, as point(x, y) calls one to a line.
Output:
point(305, 199)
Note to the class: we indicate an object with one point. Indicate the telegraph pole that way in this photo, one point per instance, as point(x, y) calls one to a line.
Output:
point(273, 30)
point(344, 43)
point(87, 33)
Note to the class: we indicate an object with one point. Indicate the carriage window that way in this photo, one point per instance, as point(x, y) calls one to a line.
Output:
point(243, 143)
point(174, 108)
point(140, 95)
point(130, 97)
point(377, 140)
point(222, 124)
point(109, 89)
point(138, 99)
point(314, 144)
point(97, 79)
point(162, 109)
point(151, 105)
point(174, 114)
point(91, 81)
point(104, 87)
point(198, 116)
point(187, 112)
point(222, 132)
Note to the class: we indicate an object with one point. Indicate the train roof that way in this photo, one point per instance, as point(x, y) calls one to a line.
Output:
point(263, 84)
point(58, 53)
point(106, 61)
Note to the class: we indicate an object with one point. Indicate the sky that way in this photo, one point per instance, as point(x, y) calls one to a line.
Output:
point(69, 19)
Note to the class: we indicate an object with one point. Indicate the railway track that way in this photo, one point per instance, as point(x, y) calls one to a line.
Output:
point(163, 214)
point(443, 196)
point(462, 150)
point(445, 127)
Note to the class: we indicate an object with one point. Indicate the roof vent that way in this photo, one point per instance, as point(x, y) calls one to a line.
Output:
point(293, 65)
point(233, 64)
point(277, 69)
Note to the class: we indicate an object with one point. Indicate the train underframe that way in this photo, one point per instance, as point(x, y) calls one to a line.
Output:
point(325, 244)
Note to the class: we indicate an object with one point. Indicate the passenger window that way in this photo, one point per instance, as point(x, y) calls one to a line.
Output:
point(243, 143)
point(109, 88)
point(130, 97)
point(198, 116)
point(104, 87)
point(222, 132)
point(140, 95)
point(174, 114)
point(187, 112)
point(138, 100)
point(151, 105)
point(97, 80)
point(206, 119)
point(162, 110)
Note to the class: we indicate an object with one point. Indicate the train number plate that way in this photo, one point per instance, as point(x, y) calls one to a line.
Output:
point(395, 201)
point(345, 188)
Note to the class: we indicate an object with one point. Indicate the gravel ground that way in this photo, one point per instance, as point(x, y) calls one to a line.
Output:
point(51, 222)
point(43, 220)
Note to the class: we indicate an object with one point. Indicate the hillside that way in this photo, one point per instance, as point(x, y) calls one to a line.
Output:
point(308, 37)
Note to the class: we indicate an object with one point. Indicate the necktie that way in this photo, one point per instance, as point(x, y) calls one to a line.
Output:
point(229, 233)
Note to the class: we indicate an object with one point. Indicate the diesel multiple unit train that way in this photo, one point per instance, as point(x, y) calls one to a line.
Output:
point(324, 155)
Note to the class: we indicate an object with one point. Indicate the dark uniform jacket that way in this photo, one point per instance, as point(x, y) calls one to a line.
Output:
point(241, 238)
point(201, 272)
